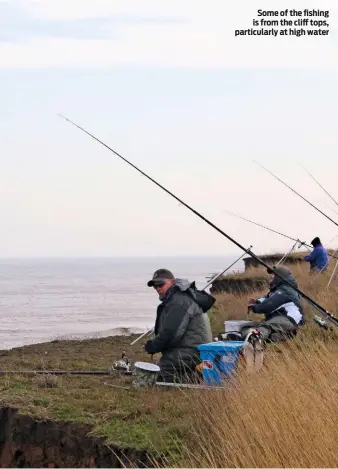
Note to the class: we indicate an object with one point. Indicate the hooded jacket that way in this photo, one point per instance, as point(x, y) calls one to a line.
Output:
point(182, 323)
point(318, 258)
point(282, 299)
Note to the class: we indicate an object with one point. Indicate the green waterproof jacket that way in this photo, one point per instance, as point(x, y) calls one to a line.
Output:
point(182, 323)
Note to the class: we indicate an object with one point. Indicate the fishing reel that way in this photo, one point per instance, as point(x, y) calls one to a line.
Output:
point(123, 365)
point(229, 336)
point(301, 243)
point(320, 322)
point(254, 335)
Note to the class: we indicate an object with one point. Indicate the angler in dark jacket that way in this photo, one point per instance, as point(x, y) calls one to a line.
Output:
point(318, 258)
point(281, 306)
point(182, 324)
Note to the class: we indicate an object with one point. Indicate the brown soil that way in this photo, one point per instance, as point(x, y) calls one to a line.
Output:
point(27, 442)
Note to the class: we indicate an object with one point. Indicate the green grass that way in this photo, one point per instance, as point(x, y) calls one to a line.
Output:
point(139, 419)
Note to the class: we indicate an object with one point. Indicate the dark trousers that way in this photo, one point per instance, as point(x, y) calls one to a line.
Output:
point(180, 371)
point(276, 329)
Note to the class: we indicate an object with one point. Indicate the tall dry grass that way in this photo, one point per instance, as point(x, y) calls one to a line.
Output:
point(286, 415)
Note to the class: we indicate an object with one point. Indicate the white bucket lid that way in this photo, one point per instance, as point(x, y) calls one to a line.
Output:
point(147, 367)
point(236, 321)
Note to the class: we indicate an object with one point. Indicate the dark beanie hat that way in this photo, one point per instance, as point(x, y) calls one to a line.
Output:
point(315, 242)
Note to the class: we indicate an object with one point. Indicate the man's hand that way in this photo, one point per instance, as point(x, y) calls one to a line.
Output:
point(145, 347)
point(148, 347)
point(251, 302)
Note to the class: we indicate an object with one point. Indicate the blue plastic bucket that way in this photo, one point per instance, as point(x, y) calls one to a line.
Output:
point(219, 360)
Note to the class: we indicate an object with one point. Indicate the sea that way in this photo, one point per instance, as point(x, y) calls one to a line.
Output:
point(48, 299)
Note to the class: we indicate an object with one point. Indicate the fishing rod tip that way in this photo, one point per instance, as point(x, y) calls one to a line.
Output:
point(258, 164)
point(65, 118)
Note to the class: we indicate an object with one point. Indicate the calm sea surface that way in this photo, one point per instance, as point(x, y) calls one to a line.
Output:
point(42, 300)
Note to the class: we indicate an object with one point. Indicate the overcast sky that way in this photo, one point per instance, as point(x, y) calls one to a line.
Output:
point(168, 86)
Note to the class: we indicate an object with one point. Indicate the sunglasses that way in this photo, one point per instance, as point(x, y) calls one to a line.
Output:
point(159, 285)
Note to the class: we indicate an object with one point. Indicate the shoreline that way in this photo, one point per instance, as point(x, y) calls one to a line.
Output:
point(50, 300)
point(115, 332)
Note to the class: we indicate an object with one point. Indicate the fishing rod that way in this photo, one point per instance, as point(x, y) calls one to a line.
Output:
point(319, 184)
point(333, 275)
point(227, 268)
point(287, 254)
point(270, 229)
point(297, 193)
point(122, 366)
point(322, 310)
point(330, 208)
point(206, 286)
point(301, 243)
point(55, 372)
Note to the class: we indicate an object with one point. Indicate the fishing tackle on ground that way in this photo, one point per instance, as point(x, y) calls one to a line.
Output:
point(320, 322)
point(123, 365)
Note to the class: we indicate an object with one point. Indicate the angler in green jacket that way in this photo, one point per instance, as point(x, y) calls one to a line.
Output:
point(182, 324)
